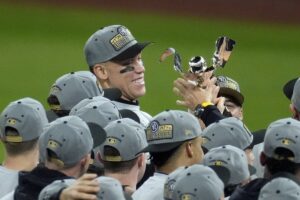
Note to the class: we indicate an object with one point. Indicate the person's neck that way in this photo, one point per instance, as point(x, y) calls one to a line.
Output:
point(126, 179)
point(24, 162)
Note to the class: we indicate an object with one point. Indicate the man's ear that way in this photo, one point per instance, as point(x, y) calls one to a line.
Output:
point(141, 160)
point(262, 159)
point(98, 157)
point(100, 71)
point(189, 149)
point(295, 113)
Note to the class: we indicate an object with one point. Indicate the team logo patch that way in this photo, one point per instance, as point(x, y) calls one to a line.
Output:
point(112, 140)
point(186, 197)
point(11, 121)
point(218, 163)
point(188, 132)
point(156, 131)
point(55, 89)
point(286, 141)
point(154, 126)
point(121, 39)
point(52, 144)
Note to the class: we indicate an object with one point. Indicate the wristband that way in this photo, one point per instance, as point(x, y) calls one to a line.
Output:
point(206, 103)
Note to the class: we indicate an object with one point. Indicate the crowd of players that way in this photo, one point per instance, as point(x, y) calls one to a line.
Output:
point(96, 143)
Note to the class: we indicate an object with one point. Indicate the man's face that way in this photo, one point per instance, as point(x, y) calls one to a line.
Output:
point(233, 108)
point(128, 76)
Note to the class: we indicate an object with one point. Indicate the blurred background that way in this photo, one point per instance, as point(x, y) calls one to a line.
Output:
point(41, 40)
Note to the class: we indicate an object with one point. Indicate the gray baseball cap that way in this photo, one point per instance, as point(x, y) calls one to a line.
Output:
point(233, 159)
point(110, 188)
point(228, 131)
point(171, 128)
point(230, 88)
point(127, 137)
point(198, 182)
point(170, 182)
point(68, 138)
point(296, 95)
point(113, 42)
point(283, 133)
point(74, 87)
point(280, 189)
point(98, 110)
point(25, 115)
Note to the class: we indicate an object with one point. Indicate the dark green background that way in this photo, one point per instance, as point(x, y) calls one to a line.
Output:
point(38, 44)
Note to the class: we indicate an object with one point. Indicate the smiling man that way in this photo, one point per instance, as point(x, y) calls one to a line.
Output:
point(114, 56)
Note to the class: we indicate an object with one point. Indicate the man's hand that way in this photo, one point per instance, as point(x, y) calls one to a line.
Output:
point(192, 95)
point(86, 187)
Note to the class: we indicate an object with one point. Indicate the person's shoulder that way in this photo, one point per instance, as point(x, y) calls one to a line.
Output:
point(249, 191)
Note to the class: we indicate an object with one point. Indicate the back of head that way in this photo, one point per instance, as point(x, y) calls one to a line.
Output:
point(66, 141)
point(231, 158)
point(114, 42)
point(280, 189)
point(228, 131)
point(197, 182)
point(71, 88)
point(167, 131)
point(124, 142)
point(98, 110)
point(22, 121)
point(281, 146)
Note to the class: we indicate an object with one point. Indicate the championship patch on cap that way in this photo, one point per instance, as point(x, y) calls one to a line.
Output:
point(155, 131)
point(123, 37)
point(186, 197)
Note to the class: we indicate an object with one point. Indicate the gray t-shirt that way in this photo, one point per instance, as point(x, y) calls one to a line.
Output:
point(8, 180)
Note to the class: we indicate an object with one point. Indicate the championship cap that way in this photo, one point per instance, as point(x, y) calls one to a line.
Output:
point(296, 95)
point(231, 158)
point(66, 141)
point(100, 111)
point(74, 87)
point(228, 131)
point(230, 88)
point(170, 182)
point(280, 189)
point(283, 133)
point(198, 182)
point(126, 137)
point(110, 188)
point(27, 116)
point(113, 42)
point(170, 129)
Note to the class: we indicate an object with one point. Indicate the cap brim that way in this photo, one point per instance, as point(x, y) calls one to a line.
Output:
point(238, 97)
point(289, 87)
point(125, 113)
point(258, 137)
point(222, 172)
point(98, 134)
point(112, 93)
point(161, 147)
point(131, 52)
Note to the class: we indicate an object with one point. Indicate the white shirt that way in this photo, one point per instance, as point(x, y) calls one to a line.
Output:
point(144, 117)
point(152, 189)
point(8, 180)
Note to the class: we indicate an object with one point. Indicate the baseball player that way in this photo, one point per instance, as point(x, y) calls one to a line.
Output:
point(114, 56)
